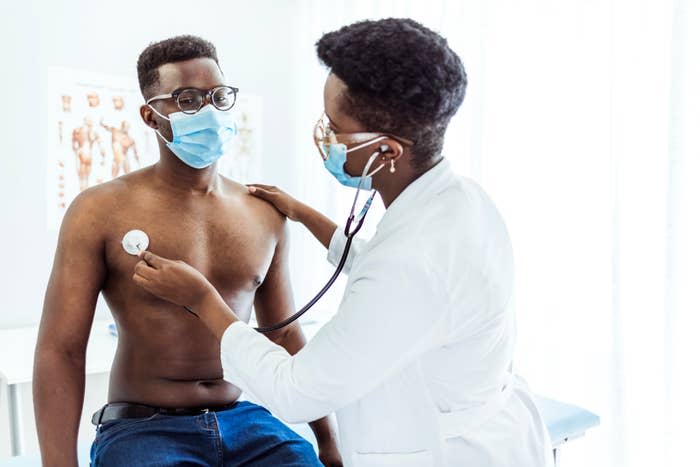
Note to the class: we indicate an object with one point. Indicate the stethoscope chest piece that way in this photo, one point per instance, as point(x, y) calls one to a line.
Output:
point(135, 241)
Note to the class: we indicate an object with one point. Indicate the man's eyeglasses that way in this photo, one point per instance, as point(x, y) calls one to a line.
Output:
point(191, 100)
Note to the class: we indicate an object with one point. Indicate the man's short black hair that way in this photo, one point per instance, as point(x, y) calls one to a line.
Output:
point(402, 79)
point(175, 49)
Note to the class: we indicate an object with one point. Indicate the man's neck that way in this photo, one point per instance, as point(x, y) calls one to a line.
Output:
point(180, 177)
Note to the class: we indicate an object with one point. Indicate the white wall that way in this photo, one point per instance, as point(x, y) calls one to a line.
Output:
point(255, 42)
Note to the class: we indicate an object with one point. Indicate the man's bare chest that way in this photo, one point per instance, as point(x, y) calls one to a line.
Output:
point(230, 247)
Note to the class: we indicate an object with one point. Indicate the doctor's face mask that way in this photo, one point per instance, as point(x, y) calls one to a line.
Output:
point(335, 153)
point(333, 148)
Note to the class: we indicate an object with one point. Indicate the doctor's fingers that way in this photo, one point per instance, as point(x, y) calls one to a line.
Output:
point(264, 187)
point(268, 194)
point(152, 259)
point(262, 192)
point(145, 270)
point(141, 281)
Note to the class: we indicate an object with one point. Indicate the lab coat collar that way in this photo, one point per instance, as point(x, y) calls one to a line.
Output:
point(414, 194)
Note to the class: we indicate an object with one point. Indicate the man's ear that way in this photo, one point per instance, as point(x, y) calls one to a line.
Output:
point(148, 116)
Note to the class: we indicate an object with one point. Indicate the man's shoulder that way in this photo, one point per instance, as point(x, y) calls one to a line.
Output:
point(93, 205)
point(260, 210)
point(99, 194)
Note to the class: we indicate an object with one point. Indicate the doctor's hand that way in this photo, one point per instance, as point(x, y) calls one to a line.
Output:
point(284, 203)
point(174, 281)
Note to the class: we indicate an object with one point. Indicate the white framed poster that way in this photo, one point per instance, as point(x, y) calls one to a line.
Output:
point(95, 134)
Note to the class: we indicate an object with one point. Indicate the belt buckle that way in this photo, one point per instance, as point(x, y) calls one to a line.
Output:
point(97, 417)
point(205, 411)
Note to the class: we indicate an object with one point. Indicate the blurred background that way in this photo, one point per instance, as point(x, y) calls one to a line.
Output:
point(581, 120)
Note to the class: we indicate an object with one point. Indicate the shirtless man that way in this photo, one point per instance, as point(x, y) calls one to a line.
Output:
point(122, 142)
point(168, 402)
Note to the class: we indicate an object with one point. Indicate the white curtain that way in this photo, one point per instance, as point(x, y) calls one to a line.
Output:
point(582, 121)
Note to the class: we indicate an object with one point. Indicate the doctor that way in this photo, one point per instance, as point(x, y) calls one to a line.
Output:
point(417, 361)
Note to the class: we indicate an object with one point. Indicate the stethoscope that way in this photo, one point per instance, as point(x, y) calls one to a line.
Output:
point(136, 241)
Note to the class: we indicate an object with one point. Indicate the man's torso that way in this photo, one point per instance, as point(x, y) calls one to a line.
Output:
point(166, 357)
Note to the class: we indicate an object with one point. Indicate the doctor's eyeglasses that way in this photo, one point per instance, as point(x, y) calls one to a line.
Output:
point(323, 136)
point(191, 100)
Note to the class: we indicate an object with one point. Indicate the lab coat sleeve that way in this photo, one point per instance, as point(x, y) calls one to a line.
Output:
point(389, 316)
point(337, 246)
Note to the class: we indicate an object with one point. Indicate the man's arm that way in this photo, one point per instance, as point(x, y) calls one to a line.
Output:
point(274, 303)
point(69, 307)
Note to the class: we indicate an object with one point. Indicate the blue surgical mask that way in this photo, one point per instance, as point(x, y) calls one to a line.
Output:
point(337, 156)
point(200, 139)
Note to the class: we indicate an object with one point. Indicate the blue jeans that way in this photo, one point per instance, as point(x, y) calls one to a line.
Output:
point(245, 435)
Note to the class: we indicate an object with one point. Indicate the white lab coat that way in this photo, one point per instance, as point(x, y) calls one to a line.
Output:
point(417, 361)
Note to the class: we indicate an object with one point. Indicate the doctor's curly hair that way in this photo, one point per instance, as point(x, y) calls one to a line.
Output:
point(402, 78)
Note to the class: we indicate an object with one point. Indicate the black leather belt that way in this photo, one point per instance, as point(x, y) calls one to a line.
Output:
point(121, 410)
